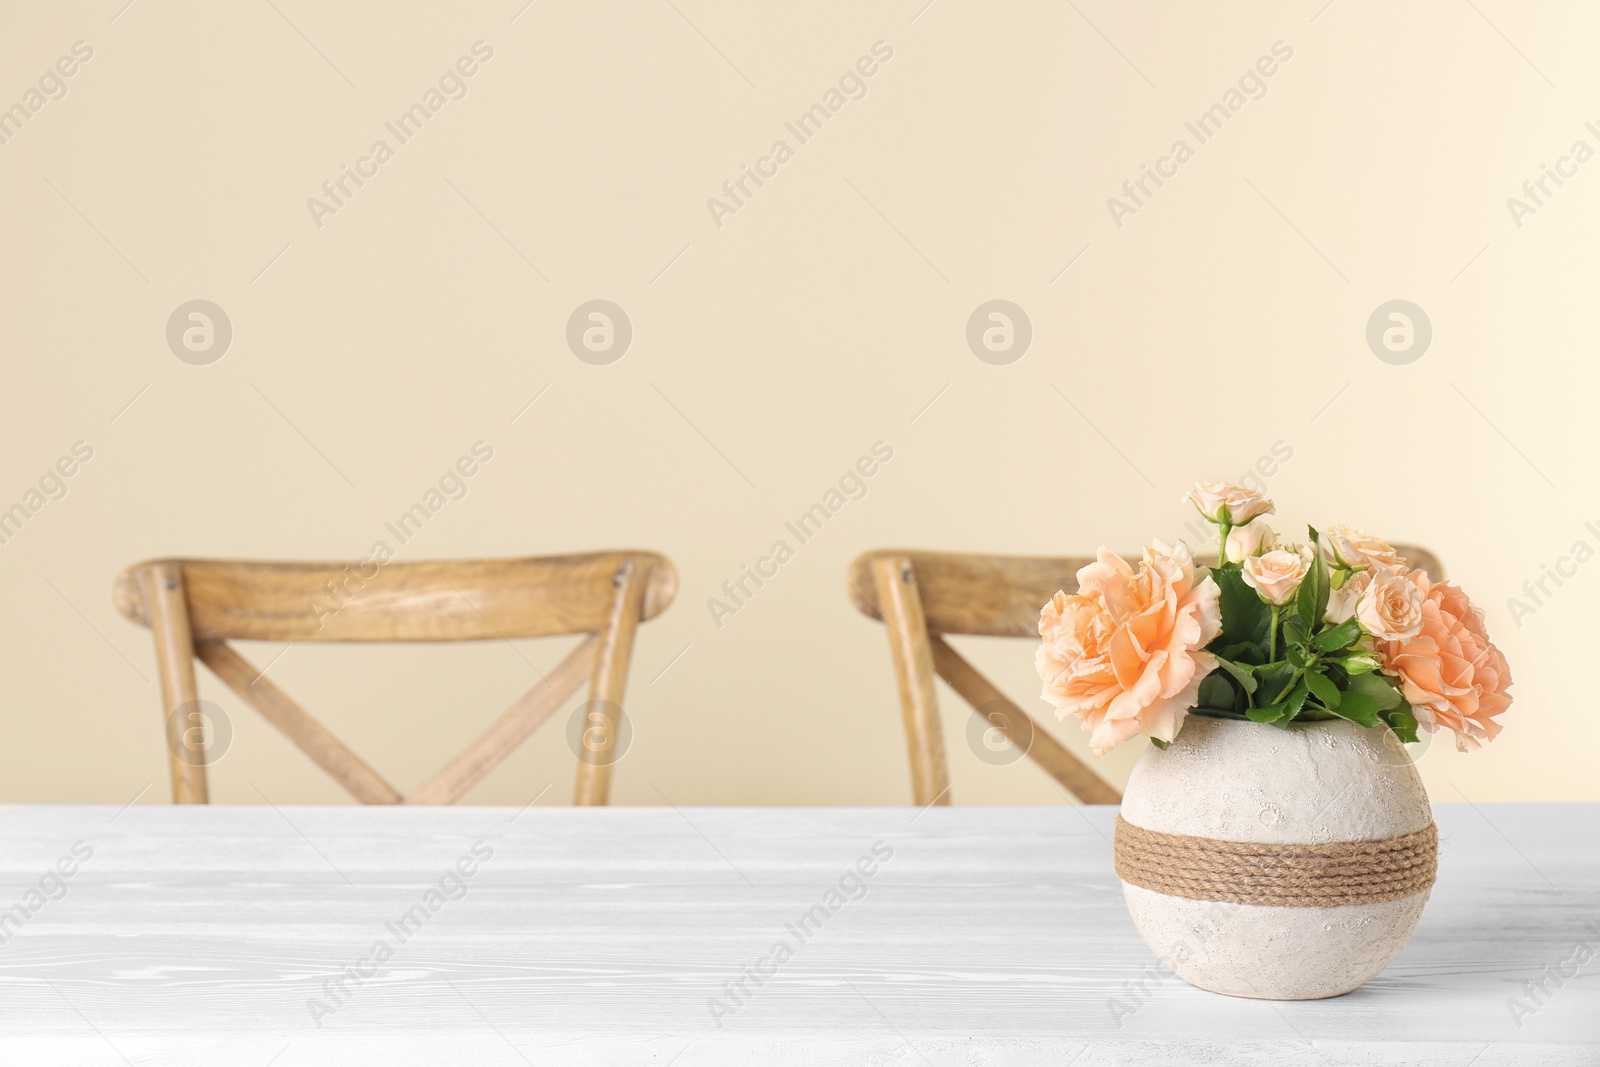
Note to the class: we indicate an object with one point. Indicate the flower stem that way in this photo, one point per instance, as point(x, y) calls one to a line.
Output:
point(1272, 636)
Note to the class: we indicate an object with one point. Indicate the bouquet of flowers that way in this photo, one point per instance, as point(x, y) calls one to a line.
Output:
point(1277, 632)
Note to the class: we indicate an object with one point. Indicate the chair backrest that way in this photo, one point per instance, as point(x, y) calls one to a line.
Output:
point(922, 596)
point(195, 607)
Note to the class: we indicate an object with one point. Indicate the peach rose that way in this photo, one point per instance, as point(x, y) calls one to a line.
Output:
point(1342, 601)
point(1229, 503)
point(1354, 549)
point(1390, 606)
point(1277, 575)
point(1251, 539)
point(1125, 654)
point(1451, 672)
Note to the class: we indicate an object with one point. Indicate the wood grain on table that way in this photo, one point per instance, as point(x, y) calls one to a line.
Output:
point(350, 936)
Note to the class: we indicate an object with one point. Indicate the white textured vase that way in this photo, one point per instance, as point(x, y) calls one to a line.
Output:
point(1309, 783)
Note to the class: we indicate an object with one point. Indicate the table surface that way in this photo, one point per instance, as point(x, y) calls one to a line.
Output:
point(244, 936)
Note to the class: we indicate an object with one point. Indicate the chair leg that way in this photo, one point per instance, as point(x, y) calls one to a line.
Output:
point(169, 622)
point(606, 688)
point(901, 606)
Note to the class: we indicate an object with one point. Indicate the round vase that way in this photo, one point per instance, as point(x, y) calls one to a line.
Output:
point(1308, 784)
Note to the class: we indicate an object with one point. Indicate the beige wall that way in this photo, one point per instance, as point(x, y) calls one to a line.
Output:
point(1225, 315)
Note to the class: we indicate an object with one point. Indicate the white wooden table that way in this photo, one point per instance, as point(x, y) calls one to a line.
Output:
point(990, 936)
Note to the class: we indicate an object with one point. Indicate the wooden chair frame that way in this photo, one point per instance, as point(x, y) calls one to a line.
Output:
point(195, 607)
point(922, 596)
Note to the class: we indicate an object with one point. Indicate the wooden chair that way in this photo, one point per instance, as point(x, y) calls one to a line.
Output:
point(195, 607)
point(922, 596)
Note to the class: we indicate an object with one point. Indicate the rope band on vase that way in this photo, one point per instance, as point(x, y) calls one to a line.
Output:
point(1291, 876)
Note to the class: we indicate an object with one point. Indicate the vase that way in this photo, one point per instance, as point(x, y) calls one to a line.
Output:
point(1281, 863)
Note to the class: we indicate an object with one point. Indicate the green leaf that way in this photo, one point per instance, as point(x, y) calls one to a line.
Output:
point(1336, 637)
point(1270, 713)
point(1295, 700)
point(1403, 723)
point(1217, 692)
point(1245, 616)
point(1294, 632)
point(1312, 600)
point(1305, 601)
point(1240, 674)
point(1296, 656)
point(1324, 587)
point(1326, 691)
point(1275, 680)
point(1384, 696)
point(1156, 741)
point(1358, 707)
point(1242, 652)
